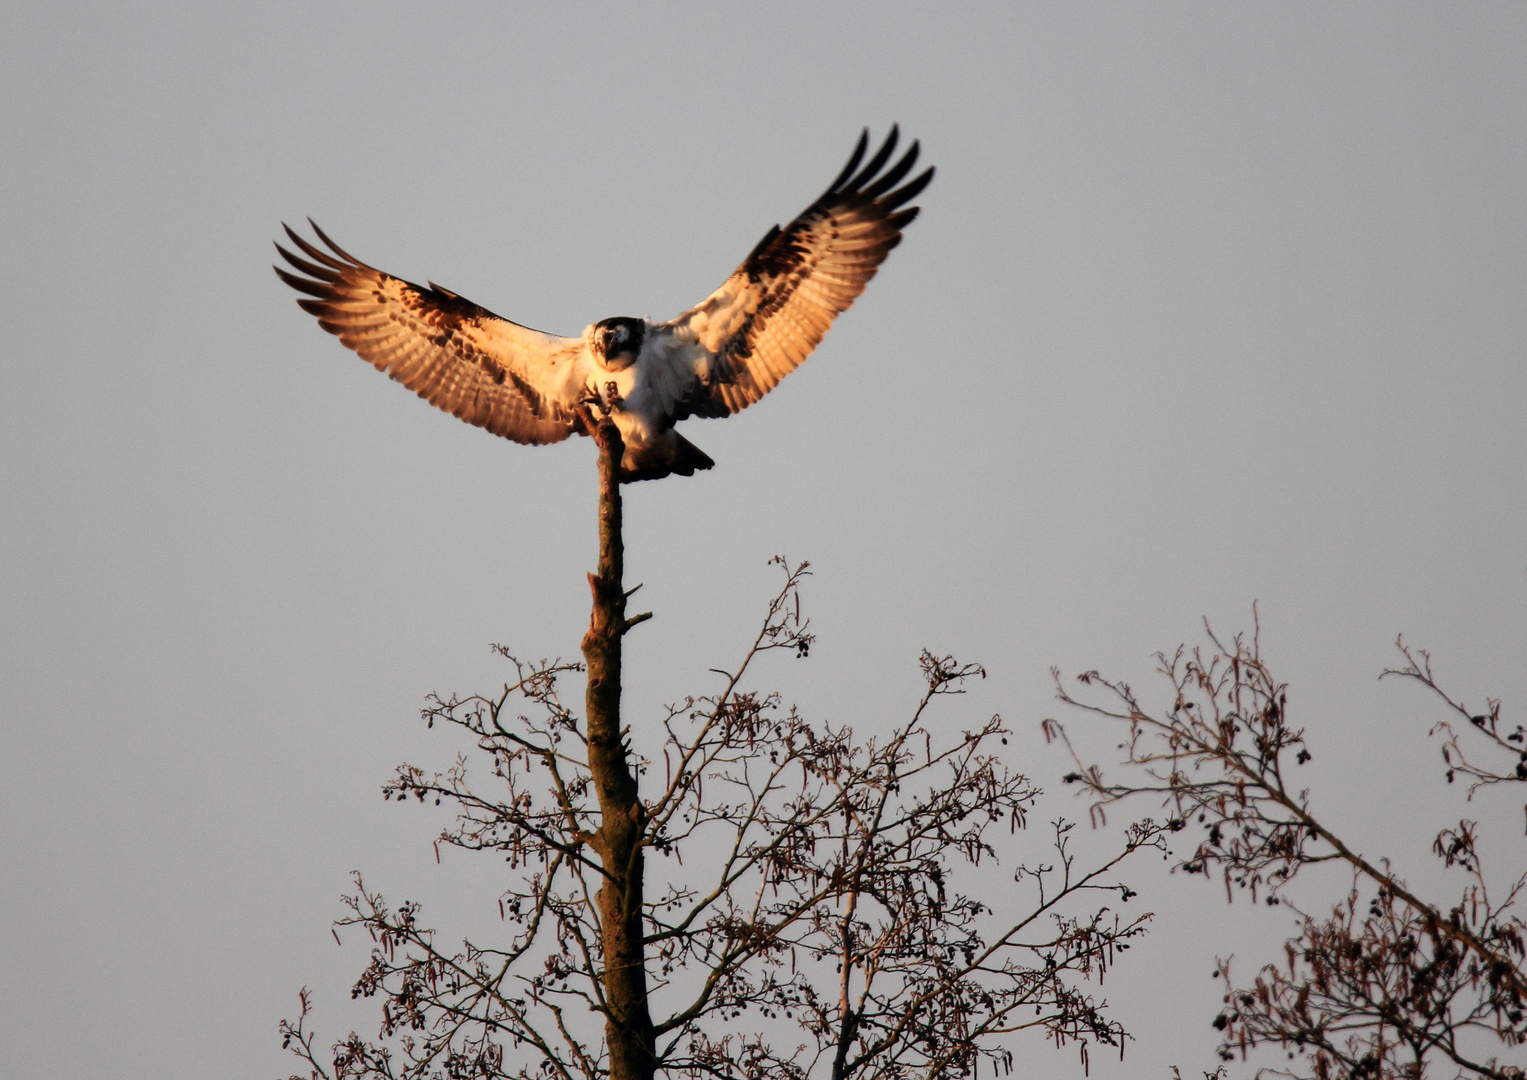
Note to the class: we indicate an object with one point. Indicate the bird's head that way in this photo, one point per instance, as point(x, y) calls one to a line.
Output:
point(616, 343)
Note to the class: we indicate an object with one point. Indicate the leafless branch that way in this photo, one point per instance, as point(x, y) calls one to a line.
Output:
point(814, 908)
point(1377, 989)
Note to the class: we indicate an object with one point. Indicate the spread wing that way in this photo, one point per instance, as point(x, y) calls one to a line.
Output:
point(768, 316)
point(514, 381)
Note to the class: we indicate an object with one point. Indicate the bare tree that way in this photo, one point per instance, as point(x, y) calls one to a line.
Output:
point(761, 897)
point(1390, 984)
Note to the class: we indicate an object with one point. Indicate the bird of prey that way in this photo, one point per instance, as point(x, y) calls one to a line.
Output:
point(715, 359)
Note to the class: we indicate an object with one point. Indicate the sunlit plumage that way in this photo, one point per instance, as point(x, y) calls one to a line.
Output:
point(712, 360)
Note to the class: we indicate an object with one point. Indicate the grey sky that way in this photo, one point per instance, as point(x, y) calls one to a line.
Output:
point(1208, 304)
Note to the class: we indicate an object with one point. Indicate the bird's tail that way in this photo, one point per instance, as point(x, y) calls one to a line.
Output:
point(674, 454)
point(689, 457)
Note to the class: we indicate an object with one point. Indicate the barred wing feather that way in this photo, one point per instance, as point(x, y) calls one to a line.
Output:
point(772, 312)
point(514, 381)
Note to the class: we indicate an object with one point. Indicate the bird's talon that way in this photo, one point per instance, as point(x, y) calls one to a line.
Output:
point(590, 402)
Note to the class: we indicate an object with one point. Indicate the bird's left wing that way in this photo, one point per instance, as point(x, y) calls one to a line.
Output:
point(768, 316)
point(514, 381)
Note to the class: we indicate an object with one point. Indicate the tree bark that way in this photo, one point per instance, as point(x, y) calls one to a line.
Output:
point(628, 1020)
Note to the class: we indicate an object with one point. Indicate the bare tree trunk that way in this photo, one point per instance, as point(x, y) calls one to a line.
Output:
point(628, 1021)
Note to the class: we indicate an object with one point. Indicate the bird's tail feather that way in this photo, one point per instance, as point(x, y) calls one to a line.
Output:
point(678, 456)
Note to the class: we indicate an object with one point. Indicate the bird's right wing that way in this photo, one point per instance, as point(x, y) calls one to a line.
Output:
point(514, 381)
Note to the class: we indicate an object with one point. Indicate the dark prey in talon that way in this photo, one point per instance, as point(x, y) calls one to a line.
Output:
point(715, 359)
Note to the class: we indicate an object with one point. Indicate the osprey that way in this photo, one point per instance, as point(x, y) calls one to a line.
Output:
point(715, 359)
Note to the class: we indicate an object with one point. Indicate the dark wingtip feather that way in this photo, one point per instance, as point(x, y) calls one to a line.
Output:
point(312, 288)
point(877, 162)
point(319, 309)
point(853, 161)
point(912, 189)
point(312, 252)
point(322, 273)
point(894, 174)
point(341, 252)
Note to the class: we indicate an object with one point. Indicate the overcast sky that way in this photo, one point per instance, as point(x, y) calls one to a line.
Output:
point(1209, 304)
